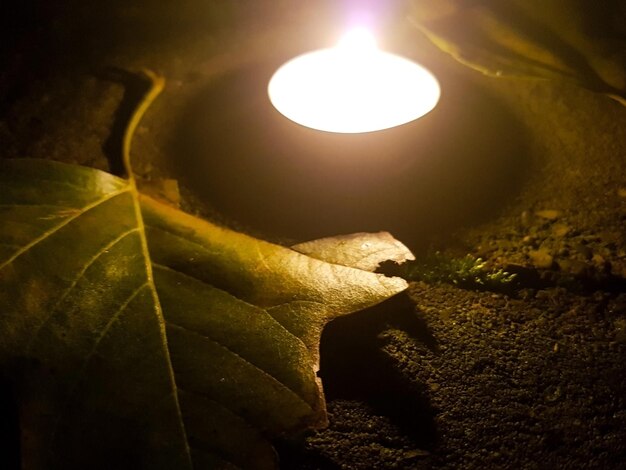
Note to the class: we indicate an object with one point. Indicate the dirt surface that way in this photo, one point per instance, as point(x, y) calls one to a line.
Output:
point(478, 380)
point(527, 175)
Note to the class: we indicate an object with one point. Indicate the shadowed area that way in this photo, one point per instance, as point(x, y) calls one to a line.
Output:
point(354, 367)
point(9, 428)
point(457, 165)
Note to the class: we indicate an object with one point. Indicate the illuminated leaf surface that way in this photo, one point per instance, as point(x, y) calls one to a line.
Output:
point(542, 38)
point(141, 337)
point(358, 250)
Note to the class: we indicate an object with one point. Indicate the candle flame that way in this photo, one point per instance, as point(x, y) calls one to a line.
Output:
point(353, 87)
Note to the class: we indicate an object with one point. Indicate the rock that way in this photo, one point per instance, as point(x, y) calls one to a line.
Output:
point(548, 214)
point(618, 268)
point(563, 251)
point(574, 267)
point(585, 251)
point(620, 330)
point(529, 240)
point(541, 259)
point(560, 230)
point(415, 453)
point(601, 263)
point(621, 192)
point(526, 219)
point(553, 393)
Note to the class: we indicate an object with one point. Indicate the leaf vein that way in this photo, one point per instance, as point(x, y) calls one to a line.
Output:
point(240, 357)
point(39, 178)
point(169, 232)
point(154, 90)
point(80, 275)
point(62, 224)
point(105, 330)
point(109, 324)
point(266, 310)
point(225, 406)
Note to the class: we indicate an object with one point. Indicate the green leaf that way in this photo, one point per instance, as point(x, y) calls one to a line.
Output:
point(541, 38)
point(139, 336)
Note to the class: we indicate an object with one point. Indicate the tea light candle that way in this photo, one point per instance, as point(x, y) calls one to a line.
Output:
point(353, 87)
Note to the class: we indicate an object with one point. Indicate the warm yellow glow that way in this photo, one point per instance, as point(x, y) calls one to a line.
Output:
point(353, 87)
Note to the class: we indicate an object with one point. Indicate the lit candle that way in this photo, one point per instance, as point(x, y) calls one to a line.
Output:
point(353, 87)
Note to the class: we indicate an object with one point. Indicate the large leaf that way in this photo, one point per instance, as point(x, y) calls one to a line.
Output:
point(554, 39)
point(140, 336)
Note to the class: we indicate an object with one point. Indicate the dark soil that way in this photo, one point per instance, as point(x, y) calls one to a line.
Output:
point(527, 175)
point(479, 380)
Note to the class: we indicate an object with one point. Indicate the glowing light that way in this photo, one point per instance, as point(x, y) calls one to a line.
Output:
point(353, 87)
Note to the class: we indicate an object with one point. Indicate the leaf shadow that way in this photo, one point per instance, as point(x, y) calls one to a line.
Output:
point(135, 87)
point(293, 455)
point(353, 366)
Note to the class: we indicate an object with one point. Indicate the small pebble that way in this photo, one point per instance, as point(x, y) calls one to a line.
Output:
point(553, 394)
point(415, 453)
point(560, 230)
point(574, 267)
point(526, 218)
point(549, 214)
point(601, 263)
point(585, 251)
point(541, 258)
point(620, 330)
